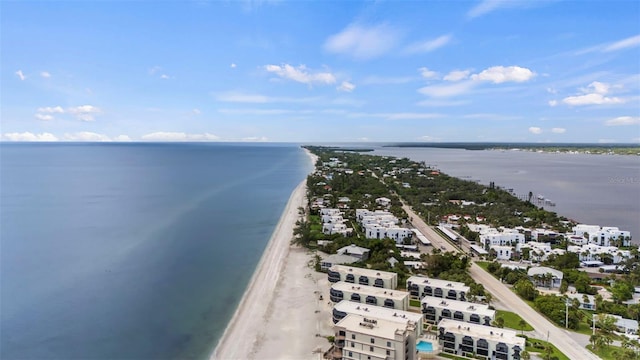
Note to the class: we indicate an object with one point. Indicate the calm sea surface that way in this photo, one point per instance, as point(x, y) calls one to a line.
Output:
point(132, 251)
point(594, 189)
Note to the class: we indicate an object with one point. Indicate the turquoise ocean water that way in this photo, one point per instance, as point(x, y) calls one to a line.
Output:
point(133, 251)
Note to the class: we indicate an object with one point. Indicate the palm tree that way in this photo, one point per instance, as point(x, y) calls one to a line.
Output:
point(522, 325)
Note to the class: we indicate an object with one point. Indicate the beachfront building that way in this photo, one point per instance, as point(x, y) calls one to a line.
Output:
point(354, 275)
point(603, 236)
point(336, 259)
point(355, 251)
point(333, 222)
point(369, 295)
point(419, 287)
point(606, 254)
point(359, 337)
point(380, 224)
point(436, 309)
point(479, 341)
point(345, 307)
point(545, 276)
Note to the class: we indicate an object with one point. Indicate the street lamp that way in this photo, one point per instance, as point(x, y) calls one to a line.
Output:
point(566, 321)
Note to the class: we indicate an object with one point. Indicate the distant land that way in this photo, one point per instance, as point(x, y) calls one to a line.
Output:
point(585, 148)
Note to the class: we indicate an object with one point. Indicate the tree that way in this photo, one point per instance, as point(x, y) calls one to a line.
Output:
point(522, 324)
point(525, 355)
point(499, 322)
point(525, 289)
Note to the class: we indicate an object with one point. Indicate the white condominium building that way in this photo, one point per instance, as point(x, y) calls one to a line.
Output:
point(345, 307)
point(354, 275)
point(479, 341)
point(393, 299)
point(436, 309)
point(360, 337)
point(419, 287)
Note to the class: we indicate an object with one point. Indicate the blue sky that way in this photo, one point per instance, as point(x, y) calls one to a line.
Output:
point(303, 71)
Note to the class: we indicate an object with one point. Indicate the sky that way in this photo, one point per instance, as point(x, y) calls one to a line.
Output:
point(320, 71)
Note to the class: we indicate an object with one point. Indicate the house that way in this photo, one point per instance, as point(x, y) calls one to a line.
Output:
point(625, 326)
point(503, 252)
point(420, 286)
point(587, 302)
point(545, 277)
point(383, 201)
point(356, 251)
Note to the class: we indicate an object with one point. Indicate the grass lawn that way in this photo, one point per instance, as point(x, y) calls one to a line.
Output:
point(537, 346)
point(413, 302)
point(605, 352)
point(512, 320)
point(484, 265)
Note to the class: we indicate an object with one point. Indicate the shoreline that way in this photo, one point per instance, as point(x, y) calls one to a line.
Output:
point(250, 329)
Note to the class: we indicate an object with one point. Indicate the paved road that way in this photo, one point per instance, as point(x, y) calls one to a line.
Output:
point(561, 338)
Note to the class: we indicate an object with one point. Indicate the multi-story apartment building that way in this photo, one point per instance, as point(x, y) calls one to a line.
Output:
point(393, 299)
point(479, 341)
point(345, 307)
point(436, 309)
point(359, 337)
point(360, 276)
point(419, 287)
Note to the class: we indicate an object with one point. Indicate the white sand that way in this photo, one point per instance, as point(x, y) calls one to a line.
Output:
point(280, 314)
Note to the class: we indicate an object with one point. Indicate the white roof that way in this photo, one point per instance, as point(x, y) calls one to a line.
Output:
point(455, 305)
point(340, 259)
point(541, 270)
point(444, 284)
point(365, 290)
point(364, 272)
point(377, 312)
point(353, 249)
point(374, 327)
point(481, 331)
point(480, 250)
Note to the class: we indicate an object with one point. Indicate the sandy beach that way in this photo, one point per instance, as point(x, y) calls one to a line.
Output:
point(280, 315)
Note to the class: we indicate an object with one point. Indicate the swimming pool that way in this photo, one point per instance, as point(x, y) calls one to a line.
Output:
point(424, 346)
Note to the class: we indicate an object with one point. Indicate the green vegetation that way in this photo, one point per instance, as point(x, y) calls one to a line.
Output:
point(414, 302)
point(513, 321)
point(546, 350)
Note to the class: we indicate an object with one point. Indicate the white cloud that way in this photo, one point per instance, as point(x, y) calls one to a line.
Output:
point(84, 112)
point(428, 138)
point(154, 70)
point(27, 136)
point(384, 80)
point(593, 94)
point(164, 76)
point(427, 74)
point(362, 42)
point(255, 139)
point(44, 117)
point(500, 74)
point(553, 103)
point(122, 138)
point(623, 44)
point(346, 87)
point(457, 75)
point(591, 99)
point(441, 102)
point(178, 136)
point(233, 65)
point(86, 136)
point(485, 7)
point(623, 121)
point(245, 111)
point(51, 110)
point(196, 112)
point(535, 130)
point(428, 45)
point(45, 74)
point(301, 74)
point(20, 75)
point(558, 130)
point(396, 116)
point(447, 90)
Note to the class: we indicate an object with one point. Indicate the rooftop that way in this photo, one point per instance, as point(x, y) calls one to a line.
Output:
point(378, 312)
point(541, 270)
point(370, 290)
point(374, 327)
point(365, 272)
point(482, 331)
point(444, 284)
point(456, 305)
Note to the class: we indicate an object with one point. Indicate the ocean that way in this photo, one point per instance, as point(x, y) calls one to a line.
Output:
point(594, 189)
point(133, 251)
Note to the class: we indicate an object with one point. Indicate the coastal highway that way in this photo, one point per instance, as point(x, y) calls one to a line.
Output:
point(509, 300)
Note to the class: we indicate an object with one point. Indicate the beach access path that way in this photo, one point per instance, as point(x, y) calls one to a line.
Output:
point(281, 315)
